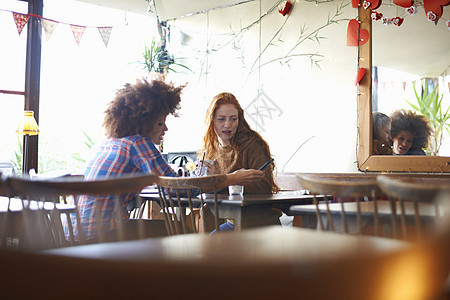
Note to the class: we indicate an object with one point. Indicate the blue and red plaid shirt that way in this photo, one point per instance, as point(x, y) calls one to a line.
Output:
point(118, 156)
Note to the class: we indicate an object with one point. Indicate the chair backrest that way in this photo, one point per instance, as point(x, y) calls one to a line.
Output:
point(415, 200)
point(177, 194)
point(351, 193)
point(37, 209)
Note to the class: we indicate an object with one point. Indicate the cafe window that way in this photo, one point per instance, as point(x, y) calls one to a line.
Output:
point(78, 78)
point(12, 83)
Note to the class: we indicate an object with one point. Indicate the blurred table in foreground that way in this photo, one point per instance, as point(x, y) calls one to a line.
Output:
point(260, 245)
point(263, 263)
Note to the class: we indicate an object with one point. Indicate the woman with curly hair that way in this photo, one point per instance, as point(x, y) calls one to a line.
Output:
point(410, 133)
point(135, 123)
point(232, 145)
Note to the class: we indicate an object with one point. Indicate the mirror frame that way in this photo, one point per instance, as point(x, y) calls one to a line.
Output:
point(383, 163)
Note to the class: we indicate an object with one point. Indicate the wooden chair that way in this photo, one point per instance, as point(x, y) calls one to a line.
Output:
point(179, 194)
point(34, 210)
point(344, 215)
point(413, 202)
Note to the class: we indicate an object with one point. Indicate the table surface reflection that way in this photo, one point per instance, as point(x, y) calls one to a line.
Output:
point(268, 244)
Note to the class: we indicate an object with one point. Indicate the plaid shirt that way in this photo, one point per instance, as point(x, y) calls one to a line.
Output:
point(127, 155)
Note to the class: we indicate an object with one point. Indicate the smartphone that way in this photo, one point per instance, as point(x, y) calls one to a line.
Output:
point(265, 165)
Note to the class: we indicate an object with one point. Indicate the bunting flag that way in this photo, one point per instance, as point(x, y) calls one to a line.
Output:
point(77, 32)
point(105, 33)
point(49, 27)
point(20, 20)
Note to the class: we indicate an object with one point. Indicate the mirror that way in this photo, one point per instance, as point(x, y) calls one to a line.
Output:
point(405, 163)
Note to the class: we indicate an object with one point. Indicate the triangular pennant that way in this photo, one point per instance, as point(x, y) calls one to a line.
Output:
point(49, 27)
point(21, 20)
point(105, 33)
point(77, 32)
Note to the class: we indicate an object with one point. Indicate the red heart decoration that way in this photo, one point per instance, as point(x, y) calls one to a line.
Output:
point(374, 4)
point(286, 9)
point(403, 3)
point(376, 15)
point(366, 4)
point(352, 34)
point(360, 75)
point(355, 3)
point(435, 6)
point(432, 16)
point(397, 21)
point(411, 10)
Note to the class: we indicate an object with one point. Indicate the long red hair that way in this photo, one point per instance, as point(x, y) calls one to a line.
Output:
point(210, 140)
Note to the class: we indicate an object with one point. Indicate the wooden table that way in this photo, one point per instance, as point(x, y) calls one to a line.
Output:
point(308, 213)
point(247, 210)
point(264, 263)
point(265, 244)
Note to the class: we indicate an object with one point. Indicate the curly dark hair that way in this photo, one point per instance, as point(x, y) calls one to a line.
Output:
point(417, 125)
point(136, 107)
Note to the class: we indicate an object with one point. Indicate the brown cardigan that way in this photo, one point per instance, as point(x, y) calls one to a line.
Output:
point(251, 154)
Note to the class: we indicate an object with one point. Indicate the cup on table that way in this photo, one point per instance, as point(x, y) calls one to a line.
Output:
point(199, 171)
point(236, 190)
point(209, 161)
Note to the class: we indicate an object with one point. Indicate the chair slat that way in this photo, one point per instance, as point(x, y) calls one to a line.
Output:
point(182, 188)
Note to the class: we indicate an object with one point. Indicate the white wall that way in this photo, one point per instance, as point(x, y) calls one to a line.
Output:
point(307, 101)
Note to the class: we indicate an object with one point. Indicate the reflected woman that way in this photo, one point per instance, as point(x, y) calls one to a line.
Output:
point(381, 139)
point(410, 133)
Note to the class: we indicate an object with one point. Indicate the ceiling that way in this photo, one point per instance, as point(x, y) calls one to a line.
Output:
point(166, 9)
point(417, 47)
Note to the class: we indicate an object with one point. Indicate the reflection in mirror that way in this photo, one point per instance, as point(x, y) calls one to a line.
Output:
point(411, 66)
point(385, 56)
point(381, 134)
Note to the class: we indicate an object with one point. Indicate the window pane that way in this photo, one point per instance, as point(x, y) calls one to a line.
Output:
point(11, 112)
point(12, 78)
point(77, 81)
point(13, 49)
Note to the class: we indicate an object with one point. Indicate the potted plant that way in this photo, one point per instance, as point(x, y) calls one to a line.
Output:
point(429, 105)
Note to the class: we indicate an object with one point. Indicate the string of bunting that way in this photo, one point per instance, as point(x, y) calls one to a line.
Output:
point(49, 26)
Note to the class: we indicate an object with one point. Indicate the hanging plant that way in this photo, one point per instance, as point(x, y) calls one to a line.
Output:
point(156, 58)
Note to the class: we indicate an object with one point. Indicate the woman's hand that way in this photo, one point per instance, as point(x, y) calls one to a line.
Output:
point(244, 176)
point(212, 167)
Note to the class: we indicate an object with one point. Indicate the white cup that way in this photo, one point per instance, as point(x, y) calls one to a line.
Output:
point(236, 190)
